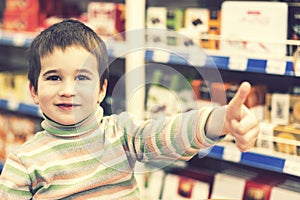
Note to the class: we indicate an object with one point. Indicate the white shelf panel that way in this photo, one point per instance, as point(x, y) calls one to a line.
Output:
point(259, 65)
point(260, 158)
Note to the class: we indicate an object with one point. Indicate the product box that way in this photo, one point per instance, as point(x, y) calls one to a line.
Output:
point(156, 19)
point(21, 21)
point(21, 5)
point(289, 135)
point(201, 90)
point(254, 28)
point(289, 189)
point(256, 96)
point(260, 187)
point(15, 87)
point(107, 19)
point(21, 15)
point(196, 19)
point(20, 130)
point(168, 20)
point(14, 131)
point(168, 95)
point(230, 184)
point(282, 109)
point(175, 17)
point(265, 138)
point(293, 25)
point(214, 28)
point(6, 85)
point(181, 187)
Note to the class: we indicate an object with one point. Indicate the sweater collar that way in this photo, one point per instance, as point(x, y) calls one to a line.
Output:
point(87, 125)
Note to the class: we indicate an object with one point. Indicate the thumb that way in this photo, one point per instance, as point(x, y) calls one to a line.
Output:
point(234, 106)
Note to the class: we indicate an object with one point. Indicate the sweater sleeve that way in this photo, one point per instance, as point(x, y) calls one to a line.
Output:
point(177, 137)
point(14, 181)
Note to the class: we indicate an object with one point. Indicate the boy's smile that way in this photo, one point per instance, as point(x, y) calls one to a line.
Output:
point(68, 85)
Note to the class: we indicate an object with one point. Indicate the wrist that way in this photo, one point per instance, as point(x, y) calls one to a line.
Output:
point(215, 124)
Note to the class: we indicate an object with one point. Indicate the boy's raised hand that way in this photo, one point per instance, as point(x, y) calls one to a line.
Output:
point(239, 121)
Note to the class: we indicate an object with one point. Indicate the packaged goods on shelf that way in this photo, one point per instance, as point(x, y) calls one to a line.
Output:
point(288, 139)
point(293, 25)
point(288, 189)
point(175, 18)
point(107, 19)
point(202, 91)
point(164, 18)
point(222, 93)
point(15, 130)
point(197, 19)
point(282, 109)
point(180, 187)
point(260, 187)
point(258, 28)
point(265, 138)
point(21, 5)
point(168, 95)
point(213, 28)
point(196, 23)
point(21, 15)
point(230, 184)
point(15, 87)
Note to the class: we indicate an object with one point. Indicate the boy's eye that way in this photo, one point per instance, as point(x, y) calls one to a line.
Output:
point(82, 77)
point(53, 78)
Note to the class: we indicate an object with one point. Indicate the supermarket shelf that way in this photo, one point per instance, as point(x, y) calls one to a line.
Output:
point(176, 55)
point(239, 63)
point(18, 39)
point(19, 107)
point(273, 161)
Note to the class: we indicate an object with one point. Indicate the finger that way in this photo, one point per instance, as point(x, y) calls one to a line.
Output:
point(245, 147)
point(241, 95)
point(245, 142)
point(247, 123)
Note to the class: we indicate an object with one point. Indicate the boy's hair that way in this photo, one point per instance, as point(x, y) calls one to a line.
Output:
point(64, 34)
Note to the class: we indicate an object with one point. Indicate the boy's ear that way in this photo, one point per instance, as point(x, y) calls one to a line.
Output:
point(33, 93)
point(102, 92)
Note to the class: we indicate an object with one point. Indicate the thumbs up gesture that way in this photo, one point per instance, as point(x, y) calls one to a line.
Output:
point(237, 120)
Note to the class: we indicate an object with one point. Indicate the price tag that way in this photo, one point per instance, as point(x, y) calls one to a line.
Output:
point(13, 105)
point(292, 166)
point(161, 56)
point(238, 63)
point(197, 56)
point(276, 67)
point(19, 40)
point(232, 154)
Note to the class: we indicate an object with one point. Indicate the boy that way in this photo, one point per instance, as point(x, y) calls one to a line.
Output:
point(81, 154)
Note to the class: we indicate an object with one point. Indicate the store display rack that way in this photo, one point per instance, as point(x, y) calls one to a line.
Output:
point(174, 55)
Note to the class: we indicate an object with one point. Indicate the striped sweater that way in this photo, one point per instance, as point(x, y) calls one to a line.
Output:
point(95, 158)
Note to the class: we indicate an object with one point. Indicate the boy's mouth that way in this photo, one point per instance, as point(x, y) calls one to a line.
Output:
point(67, 106)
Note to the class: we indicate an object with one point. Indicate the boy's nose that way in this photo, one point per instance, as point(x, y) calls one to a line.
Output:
point(68, 89)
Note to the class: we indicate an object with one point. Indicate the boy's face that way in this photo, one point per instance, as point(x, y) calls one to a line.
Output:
point(68, 85)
